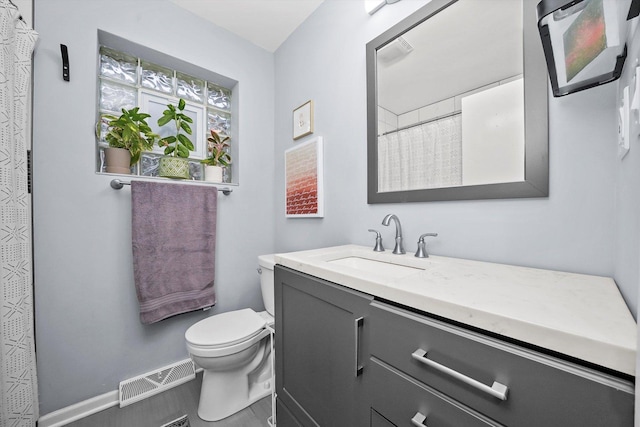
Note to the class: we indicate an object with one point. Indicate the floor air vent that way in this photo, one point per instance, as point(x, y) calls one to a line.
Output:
point(151, 383)
point(183, 421)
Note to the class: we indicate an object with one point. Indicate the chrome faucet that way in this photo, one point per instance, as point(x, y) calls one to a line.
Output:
point(399, 249)
point(422, 250)
point(378, 247)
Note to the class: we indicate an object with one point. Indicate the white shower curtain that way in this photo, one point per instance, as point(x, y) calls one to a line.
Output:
point(423, 156)
point(18, 382)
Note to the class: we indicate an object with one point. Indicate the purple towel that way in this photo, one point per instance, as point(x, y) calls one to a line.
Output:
point(173, 239)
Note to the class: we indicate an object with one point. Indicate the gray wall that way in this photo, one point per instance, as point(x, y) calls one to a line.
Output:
point(89, 337)
point(627, 194)
point(574, 229)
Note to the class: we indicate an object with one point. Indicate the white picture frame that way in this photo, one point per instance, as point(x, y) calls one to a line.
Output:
point(303, 120)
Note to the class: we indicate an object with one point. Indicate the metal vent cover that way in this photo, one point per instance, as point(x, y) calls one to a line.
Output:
point(183, 421)
point(149, 384)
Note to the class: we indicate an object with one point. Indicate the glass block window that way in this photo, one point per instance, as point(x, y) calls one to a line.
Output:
point(156, 77)
point(114, 97)
point(190, 88)
point(126, 81)
point(220, 121)
point(118, 66)
point(219, 97)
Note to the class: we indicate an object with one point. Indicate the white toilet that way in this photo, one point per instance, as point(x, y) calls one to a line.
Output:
point(234, 349)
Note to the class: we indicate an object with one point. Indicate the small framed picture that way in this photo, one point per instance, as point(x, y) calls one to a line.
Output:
point(303, 120)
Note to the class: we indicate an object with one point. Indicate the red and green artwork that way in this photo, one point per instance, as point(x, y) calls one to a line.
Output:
point(585, 39)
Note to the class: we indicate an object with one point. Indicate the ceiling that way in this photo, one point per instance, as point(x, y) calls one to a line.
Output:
point(468, 45)
point(265, 23)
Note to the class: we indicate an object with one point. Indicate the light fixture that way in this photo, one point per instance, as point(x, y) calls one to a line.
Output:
point(584, 41)
point(372, 6)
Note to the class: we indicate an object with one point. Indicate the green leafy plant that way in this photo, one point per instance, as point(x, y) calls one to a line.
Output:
point(177, 145)
point(130, 131)
point(217, 147)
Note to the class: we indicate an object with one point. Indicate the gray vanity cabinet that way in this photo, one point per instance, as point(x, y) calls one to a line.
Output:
point(420, 371)
point(447, 373)
point(320, 349)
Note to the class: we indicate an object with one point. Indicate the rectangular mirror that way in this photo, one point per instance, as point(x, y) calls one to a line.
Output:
point(457, 104)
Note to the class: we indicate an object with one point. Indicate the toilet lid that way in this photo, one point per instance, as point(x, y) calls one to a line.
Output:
point(225, 329)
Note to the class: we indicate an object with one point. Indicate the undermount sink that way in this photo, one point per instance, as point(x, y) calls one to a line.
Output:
point(381, 269)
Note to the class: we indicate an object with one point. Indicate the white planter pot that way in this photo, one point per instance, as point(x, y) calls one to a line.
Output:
point(213, 173)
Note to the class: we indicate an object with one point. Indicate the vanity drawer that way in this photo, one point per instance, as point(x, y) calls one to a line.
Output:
point(400, 399)
point(539, 390)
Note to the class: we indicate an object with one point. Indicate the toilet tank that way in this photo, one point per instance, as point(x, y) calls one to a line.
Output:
point(267, 262)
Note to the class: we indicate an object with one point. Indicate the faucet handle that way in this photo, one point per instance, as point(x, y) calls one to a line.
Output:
point(422, 251)
point(378, 247)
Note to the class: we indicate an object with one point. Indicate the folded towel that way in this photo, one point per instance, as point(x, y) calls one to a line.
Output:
point(173, 239)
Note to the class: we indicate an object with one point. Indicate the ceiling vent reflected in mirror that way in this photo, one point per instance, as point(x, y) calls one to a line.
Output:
point(584, 41)
point(394, 51)
point(372, 6)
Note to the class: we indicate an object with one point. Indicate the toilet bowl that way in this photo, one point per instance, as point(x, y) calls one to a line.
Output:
point(234, 349)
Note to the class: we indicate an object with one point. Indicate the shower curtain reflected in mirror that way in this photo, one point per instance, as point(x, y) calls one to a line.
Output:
point(427, 155)
point(18, 382)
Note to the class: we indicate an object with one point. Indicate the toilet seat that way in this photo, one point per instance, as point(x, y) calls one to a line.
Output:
point(225, 333)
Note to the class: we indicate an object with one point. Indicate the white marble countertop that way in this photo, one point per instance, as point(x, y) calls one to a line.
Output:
point(578, 315)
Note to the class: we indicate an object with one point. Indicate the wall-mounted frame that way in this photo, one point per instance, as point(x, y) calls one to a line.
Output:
point(304, 180)
point(303, 120)
point(584, 41)
point(536, 150)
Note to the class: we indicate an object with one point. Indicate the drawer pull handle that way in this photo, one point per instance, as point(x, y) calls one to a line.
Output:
point(358, 326)
point(496, 390)
point(418, 420)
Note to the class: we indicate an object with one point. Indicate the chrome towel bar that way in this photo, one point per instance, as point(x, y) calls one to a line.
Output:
point(117, 184)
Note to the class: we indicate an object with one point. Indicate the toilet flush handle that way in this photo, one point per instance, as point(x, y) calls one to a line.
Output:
point(259, 270)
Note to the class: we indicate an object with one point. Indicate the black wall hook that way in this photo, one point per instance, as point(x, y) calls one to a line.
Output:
point(65, 62)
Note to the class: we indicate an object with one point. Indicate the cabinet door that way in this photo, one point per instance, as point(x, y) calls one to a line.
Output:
point(320, 349)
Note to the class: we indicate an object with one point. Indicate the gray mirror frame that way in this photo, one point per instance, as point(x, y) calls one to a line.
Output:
point(536, 183)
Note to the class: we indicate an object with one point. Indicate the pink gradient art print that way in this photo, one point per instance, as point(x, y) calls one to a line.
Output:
point(303, 184)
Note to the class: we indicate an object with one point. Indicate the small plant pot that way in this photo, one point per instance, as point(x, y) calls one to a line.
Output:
point(213, 173)
point(118, 160)
point(173, 167)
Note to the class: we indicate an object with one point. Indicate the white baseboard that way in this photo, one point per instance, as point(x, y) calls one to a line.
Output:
point(79, 410)
point(82, 409)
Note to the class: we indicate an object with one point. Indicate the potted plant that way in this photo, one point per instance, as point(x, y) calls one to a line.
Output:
point(218, 157)
point(128, 136)
point(174, 164)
